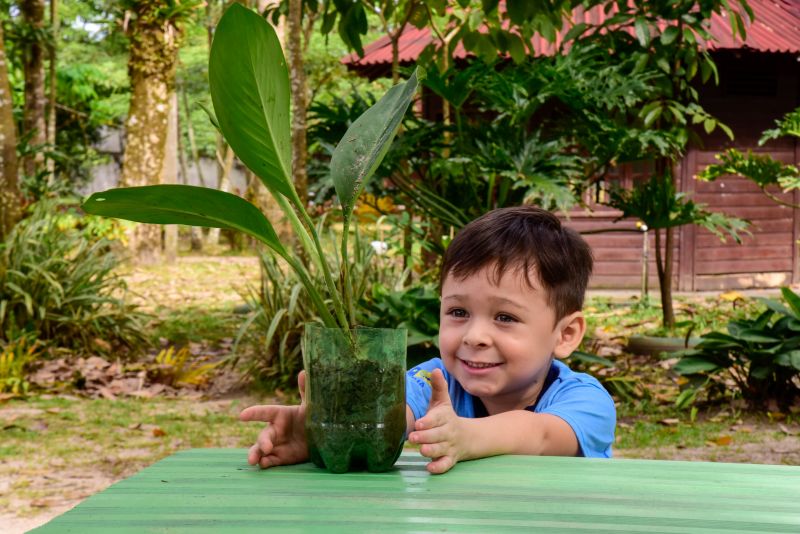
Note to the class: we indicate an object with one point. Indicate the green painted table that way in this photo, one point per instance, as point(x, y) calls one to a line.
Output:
point(214, 490)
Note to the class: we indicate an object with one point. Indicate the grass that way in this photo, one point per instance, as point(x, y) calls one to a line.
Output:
point(701, 314)
point(196, 324)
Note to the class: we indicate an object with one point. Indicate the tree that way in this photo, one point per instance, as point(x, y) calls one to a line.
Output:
point(10, 198)
point(668, 38)
point(153, 29)
point(34, 126)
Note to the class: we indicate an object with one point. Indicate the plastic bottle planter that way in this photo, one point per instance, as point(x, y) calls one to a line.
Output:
point(355, 395)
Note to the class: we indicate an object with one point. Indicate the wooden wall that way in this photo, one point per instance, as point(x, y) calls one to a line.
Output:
point(755, 90)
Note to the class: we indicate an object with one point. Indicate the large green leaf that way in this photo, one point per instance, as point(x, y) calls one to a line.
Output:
point(184, 204)
point(366, 142)
point(250, 90)
point(691, 365)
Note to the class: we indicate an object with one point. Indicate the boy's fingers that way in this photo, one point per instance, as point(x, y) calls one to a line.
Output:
point(441, 465)
point(254, 455)
point(268, 461)
point(433, 435)
point(264, 413)
point(266, 440)
point(434, 450)
point(439, 393)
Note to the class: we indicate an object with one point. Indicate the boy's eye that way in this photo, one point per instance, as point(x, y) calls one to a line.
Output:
point(503, 318)
point(457, 312)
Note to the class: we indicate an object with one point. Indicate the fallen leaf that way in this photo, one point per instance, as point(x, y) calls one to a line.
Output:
point(786, 430)
point(102, 344)
point(39, 426)
point(158, 432)
point(730, 296)
point(670, 421)
point(40, 503)
point(106, 393)
point(135, 426)
point(776, 416)
point(723, 440)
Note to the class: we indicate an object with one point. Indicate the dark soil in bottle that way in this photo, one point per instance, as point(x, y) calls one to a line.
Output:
point(356, 414)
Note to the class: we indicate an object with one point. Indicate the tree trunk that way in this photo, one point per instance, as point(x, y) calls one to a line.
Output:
point(51, 105)
point(664, 268)
point(225, 166)
point(297, 75)
point(196, 233)
point(151, 68)
point(169, 175)
point(666, 287)
point(33, 119)
point(10, 198)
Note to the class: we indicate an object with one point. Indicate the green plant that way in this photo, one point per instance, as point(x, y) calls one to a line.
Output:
point(275, 326)
point(657, 204)
point(250, 92)
point(176, 368)
point(14, 361)
point(761, 169)
point(281, 307)
point(760, 356)
point(61, 287)
point(415, 308)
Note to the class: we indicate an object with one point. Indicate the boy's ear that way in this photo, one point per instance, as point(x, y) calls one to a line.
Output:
point(570, 331)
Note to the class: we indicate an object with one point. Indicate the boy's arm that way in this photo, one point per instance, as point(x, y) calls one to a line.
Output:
point(518, 432)
point(447, 438)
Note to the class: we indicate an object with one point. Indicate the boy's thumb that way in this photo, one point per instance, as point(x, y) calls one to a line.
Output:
point(439, 391)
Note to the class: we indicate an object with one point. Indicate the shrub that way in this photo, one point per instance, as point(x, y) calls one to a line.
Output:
point(60, 287)
point(760, 357)
point(176, 368)
point(15, 358)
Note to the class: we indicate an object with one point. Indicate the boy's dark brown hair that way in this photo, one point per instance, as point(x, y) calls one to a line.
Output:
point(524, 237)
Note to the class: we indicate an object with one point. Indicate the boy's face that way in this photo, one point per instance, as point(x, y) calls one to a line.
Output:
point(498, 340)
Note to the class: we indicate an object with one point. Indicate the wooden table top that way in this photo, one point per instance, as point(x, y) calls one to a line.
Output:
point(214, 490)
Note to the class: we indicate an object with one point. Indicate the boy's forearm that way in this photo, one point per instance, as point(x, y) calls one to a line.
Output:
point(518, 432)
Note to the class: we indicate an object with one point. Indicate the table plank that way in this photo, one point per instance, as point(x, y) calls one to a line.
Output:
point(214, 490)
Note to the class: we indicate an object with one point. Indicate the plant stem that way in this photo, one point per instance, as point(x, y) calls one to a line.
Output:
point(346, 282)
point(335, 297)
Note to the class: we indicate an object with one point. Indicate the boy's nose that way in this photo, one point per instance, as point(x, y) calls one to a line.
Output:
point(476, 335)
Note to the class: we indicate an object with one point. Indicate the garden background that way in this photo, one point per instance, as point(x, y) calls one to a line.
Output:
point(664, 130)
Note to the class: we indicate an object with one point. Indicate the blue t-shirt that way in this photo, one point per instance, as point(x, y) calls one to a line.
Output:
point(577, 398)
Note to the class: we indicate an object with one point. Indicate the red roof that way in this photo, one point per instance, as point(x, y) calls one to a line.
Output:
point(776, 29)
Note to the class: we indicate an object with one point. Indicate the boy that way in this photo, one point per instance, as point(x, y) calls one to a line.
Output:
point(512, 287)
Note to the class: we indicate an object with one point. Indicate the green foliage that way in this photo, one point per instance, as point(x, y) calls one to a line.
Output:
point(15, 360)
point(657, 204)
point(61, 288)
point(251, 104)
point(176, 368)
point(788, 126)
point(281, 306)
point(760, 169)
point(760, 356)
point(763, 170)
point(415, 308)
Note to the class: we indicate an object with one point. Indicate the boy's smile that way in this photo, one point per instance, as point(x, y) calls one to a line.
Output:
point(498, 339)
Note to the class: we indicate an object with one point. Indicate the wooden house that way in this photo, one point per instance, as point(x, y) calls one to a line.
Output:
point(759, 83)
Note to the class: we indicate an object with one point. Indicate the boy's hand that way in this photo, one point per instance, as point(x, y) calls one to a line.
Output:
point(283, 441)
point(439, 433)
